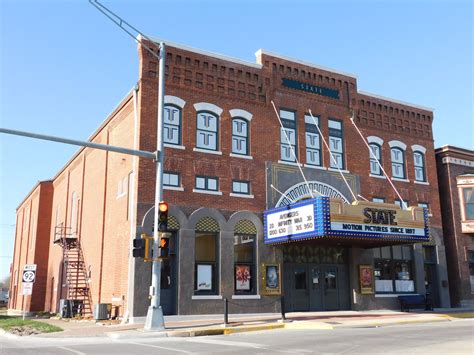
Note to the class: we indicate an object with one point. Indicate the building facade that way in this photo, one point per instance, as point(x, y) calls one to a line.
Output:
point(232, 130)
point(456, 175)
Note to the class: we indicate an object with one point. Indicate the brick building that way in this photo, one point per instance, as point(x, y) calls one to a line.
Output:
point(226, 161)
point(456, 176)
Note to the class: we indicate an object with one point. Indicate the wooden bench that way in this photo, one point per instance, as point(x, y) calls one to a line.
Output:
point(414, 301)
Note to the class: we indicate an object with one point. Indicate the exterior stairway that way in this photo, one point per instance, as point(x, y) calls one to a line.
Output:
point(75, 271)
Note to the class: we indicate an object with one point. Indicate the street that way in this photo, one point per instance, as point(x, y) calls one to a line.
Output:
point(454, 337)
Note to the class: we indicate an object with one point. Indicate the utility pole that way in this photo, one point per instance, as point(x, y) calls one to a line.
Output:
point(154, 317)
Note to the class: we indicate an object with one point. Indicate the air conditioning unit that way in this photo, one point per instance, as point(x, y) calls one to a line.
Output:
point(101, 311)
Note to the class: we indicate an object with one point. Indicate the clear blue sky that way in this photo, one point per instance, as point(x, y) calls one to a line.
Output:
point(64, 66)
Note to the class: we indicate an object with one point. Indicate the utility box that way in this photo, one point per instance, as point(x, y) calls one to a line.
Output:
point(101, 311)
point(65, 308)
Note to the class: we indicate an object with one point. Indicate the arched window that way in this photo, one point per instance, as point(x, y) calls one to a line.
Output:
point(374, 166)
point(206, 257)
point(207, 131)
point(245, 273)
point(172, 125)
point(240, 133)
point(398, 163)
point(419, 162)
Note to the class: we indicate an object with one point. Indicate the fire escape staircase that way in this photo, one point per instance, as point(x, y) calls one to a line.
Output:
point(77, 280)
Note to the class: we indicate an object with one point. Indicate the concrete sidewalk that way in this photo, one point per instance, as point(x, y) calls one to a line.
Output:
point(199, 325)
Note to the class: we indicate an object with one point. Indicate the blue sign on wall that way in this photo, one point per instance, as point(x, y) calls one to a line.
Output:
point(319, 90)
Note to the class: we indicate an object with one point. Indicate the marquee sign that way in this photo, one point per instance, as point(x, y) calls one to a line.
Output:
point(323, 217)
point(298, 85)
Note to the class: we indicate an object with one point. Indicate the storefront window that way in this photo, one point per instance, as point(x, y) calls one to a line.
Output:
point(206, 263)
point(393, 270)
point(244, 246)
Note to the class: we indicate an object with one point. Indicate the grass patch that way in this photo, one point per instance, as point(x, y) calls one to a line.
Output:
point(9, 323)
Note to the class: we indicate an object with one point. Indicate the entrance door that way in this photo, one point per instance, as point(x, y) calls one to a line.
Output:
point(169, 279)
point(300, 294)
point(330, 288)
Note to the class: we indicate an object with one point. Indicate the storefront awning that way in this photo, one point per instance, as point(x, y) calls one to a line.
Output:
point(326, 218)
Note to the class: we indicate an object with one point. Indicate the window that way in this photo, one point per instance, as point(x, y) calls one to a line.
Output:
point(73, 223)
point(171, 179)
point(207, 131)
point(241, 187)
point(398, 163)
point(288, 136)
point(401, 205)
point(471, 268)
point(244, 266)
point(377, 156)
point(425, 205)
point(207, 183)
point(240, 133)
point(206, 263)
point(393, 269)
point(378, 199)
point(468, 203)
point(336, 144)
point(419, 161)
point(172, 125)
point(313, 144)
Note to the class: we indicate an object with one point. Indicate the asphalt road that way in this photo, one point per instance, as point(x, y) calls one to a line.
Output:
point(455, 337)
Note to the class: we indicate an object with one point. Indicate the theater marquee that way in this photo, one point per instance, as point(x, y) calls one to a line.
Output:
point(323, 217)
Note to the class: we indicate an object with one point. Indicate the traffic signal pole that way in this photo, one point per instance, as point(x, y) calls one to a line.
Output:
point(154, 319)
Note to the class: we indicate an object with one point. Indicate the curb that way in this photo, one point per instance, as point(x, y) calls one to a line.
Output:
point(402, 322)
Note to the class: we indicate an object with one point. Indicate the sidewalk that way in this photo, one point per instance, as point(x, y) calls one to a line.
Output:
point(198, 325)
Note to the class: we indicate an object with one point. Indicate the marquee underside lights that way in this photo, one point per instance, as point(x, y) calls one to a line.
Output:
point(326, 218)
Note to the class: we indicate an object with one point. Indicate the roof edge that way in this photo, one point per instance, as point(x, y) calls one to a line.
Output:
point(425, 108)
point(335, 71)
point(31, 192)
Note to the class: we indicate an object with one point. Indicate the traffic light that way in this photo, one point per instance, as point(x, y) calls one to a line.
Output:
point(164, 245)
point(139, 246)
point(163, 217)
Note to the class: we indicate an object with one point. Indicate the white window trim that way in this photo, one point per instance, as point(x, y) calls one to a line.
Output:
point(398, 179)
point(216, 152)
point(341, 170)
point(241, 156)
point(375, 139)
point(208, 192)
point(288, 163)
point(246, 297)
point(397, 144)
point(205, 106)
point(378, 176)
point(418, 148)
point(393, 295)
point(174, 100)
point(237, 112)
point(314, 167)
point(174, 146)
point(421, 182)
point(234, 194)
point(174, 188)
point(206, 297)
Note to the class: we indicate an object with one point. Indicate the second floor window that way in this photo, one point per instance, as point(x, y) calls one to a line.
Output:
point(313, 144)
point(171, 179)
point(468, 203)
point(241, 187)
point(172, 125)
point(398, 163)
point(240, 133)
point(419, 162)
point(207, 131)
point(207, 183)
point(375, 159)
point(336, 144)
point(288, 135)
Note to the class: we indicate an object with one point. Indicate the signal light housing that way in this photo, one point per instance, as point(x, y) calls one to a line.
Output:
point(162, 216)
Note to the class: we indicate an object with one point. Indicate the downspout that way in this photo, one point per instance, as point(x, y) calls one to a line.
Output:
point(132, 212)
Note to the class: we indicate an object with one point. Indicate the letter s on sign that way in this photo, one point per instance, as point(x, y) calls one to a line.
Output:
point(367, 214)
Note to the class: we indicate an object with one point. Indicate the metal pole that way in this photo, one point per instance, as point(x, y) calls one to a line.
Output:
point(111, 148)
point(226, 312)
point(154, 318)
point(282, 305)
